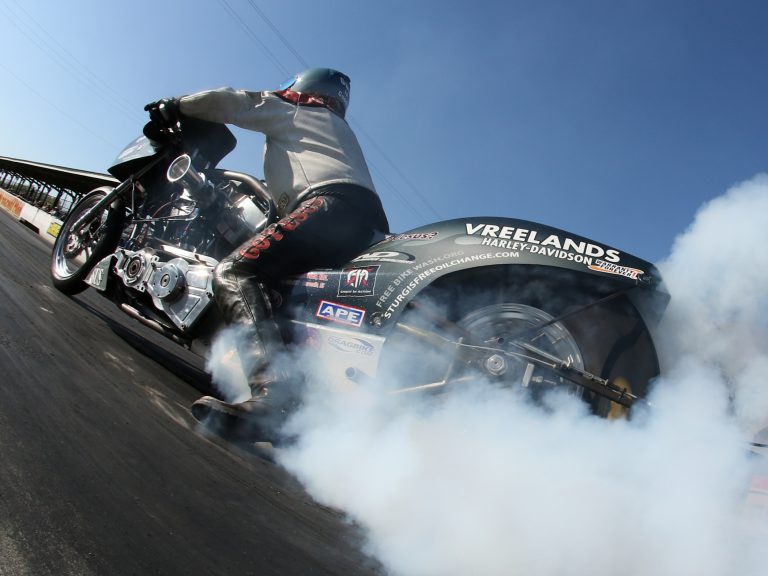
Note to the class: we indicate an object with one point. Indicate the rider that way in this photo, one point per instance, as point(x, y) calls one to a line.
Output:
point(330, 212)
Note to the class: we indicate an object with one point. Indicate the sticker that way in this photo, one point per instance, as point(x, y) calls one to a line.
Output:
point(99, 276)
point(358, 281)
point(550, 245)
point(608, 268)
point(354, 345)
point(396, 257)
point(11, 204)
point(340, 313)
point(309, 280)
point(415, 236)
point(54, 228)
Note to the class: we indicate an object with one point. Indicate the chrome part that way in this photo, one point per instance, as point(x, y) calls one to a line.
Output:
point(182, 171)
point(497, 326)
point(528, 375)
point(191, 256)
point(496, 365)
point(168, 282)
point(70, 256)
point(489, 344)
point(193, 182)
point(156, 326)
point(133, 268)
point(249, 215)
point(180, 288)
point(241, 220)
point(436, 386)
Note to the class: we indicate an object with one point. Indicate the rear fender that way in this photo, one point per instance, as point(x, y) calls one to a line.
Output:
point(371, 292)
point(405, 264)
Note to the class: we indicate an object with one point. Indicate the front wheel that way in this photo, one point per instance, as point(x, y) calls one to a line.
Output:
point(76, 253)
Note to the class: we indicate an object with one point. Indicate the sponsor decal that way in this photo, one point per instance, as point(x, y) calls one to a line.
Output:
point(409, 280)
point(535, 242)
point(99, 276)
point(11, 204)
point(608, 268)
point(358, 281)
point(96, 277)
point(309, 280)
point(315, 279)
point(54, 229)
point(340, 313)
point(415, 236)
point(395, 257)
point(353, 345)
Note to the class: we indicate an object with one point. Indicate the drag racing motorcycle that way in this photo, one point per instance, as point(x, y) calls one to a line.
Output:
point(484, 299)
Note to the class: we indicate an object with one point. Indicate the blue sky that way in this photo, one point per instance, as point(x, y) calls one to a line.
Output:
point(614, 119)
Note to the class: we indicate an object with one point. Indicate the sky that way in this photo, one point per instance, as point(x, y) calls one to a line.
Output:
point(613, 119)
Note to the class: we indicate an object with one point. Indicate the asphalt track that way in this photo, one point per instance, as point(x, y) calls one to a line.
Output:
point(102, 469)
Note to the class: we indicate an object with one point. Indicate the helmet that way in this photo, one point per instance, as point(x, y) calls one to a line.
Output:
point(331, 85)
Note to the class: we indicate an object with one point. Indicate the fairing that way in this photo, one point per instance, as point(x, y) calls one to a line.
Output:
point(206, 140)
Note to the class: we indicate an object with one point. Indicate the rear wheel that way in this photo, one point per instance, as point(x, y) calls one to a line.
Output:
point(76, 253)
point(505, 325)
point(456, 336)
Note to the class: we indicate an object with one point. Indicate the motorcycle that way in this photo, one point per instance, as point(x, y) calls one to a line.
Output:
point(504, 301)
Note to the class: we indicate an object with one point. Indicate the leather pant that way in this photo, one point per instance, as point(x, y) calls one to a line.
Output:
point(324, 231)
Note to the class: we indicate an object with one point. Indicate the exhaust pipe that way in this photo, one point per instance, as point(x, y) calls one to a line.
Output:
point(194, 182)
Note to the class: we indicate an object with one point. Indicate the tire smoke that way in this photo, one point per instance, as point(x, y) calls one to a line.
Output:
point(485, 483)
point(223, 363)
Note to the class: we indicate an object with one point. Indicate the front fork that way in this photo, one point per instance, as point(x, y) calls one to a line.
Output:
point(120, 191)
point(87, 217)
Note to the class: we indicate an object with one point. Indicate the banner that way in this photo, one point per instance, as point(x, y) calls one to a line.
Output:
point(10, 203)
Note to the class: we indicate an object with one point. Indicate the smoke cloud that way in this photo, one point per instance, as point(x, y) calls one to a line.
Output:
point(485, 483)
point(224, 365)
point(718, 275)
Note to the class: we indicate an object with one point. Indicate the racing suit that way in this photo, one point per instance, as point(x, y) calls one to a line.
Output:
point(328, 208)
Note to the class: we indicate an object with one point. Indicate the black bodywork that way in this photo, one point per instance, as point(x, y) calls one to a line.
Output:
point(210, 143)
point(390, 274)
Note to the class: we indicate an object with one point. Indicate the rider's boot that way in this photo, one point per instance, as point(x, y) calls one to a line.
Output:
point(258, 417)
point(245, 304)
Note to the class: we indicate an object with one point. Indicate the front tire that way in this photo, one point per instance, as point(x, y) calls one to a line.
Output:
point(74, 255)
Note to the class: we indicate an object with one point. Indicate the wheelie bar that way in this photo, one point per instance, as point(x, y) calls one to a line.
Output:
point(601, 386)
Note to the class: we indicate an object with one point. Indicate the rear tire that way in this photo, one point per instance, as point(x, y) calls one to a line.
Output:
point(610, 340)
point(75, 255)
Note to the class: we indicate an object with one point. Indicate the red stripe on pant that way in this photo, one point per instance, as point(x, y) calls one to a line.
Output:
point(274, 232)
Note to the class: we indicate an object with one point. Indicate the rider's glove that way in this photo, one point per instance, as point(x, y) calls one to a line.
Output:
point(164, 113)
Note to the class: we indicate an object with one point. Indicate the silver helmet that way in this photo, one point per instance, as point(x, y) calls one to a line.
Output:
point(331, 85)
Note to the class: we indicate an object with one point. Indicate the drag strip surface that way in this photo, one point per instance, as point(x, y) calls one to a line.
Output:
point(102, 469)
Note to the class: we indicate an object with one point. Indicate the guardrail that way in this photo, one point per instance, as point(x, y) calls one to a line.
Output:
point(41, 222)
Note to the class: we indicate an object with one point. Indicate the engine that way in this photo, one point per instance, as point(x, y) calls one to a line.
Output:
point(180, 283)
point(176, 240)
